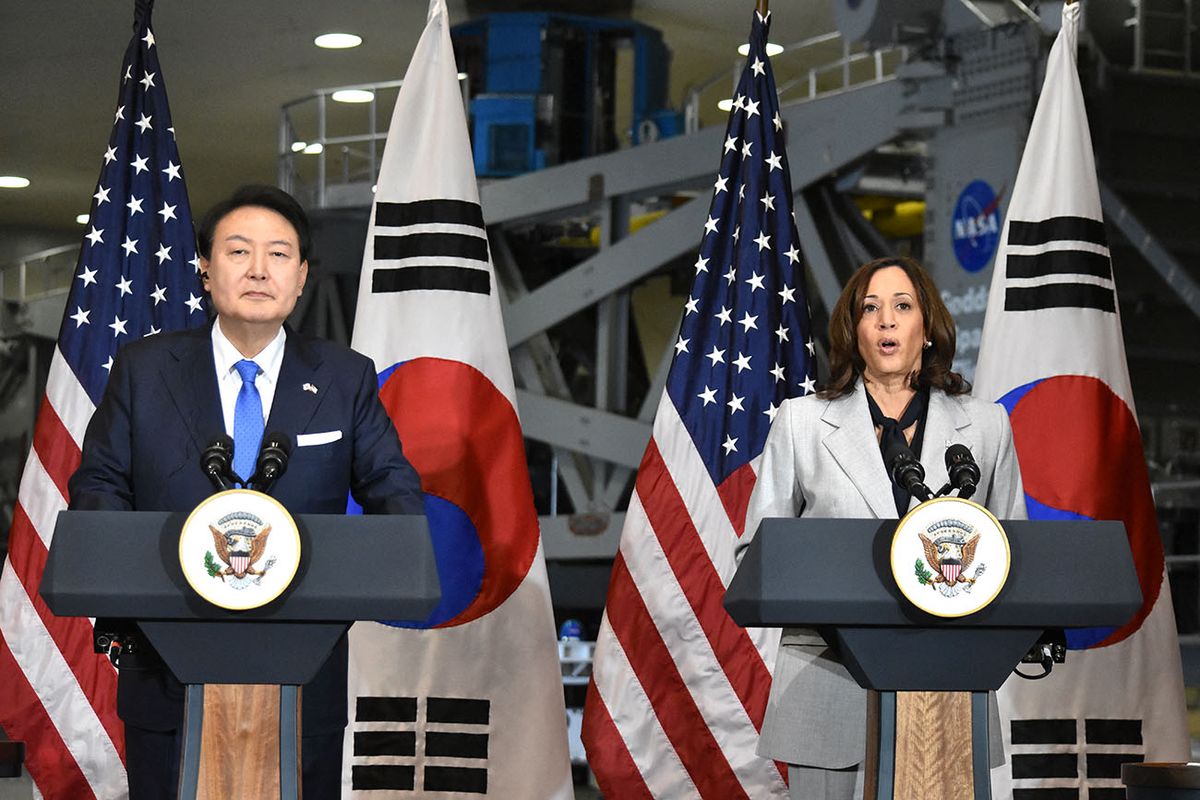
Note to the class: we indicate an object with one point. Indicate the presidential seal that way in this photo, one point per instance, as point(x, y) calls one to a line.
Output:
point(950, 557)
point(239, 549)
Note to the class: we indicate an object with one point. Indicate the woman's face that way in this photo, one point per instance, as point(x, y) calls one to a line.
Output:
point(891, 330)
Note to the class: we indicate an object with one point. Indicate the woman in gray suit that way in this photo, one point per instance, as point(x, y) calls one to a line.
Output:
point(892, 343)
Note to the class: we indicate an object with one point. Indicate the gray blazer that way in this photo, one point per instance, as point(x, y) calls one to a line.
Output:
point(822, 459)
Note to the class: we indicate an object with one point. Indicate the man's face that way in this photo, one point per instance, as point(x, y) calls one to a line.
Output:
point(254, 274)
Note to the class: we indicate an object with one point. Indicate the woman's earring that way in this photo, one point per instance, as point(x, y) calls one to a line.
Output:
point(928, 344)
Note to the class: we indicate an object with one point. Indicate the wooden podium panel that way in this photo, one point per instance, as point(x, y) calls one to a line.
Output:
point(933, 746)
point(928, 742)
point(239, 743)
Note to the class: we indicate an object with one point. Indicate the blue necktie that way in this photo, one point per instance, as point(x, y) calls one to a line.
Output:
point(247, 421)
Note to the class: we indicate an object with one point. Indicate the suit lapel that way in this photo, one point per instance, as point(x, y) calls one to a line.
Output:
point(300, 373)
point(190, 378)
point(945, 424)
point(854, 447)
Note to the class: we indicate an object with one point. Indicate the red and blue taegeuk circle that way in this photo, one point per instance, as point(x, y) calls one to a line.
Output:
point(1081, 458)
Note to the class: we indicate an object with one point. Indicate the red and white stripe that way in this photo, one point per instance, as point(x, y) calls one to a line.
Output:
point(56, 695)
point(678, 689)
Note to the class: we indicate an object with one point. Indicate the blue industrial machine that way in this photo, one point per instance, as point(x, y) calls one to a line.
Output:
point(543, 87)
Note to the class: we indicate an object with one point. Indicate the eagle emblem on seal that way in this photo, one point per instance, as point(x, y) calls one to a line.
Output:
point(950, 549)
point(240, 540)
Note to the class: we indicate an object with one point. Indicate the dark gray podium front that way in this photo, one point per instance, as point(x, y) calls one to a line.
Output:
point(125, 565)
point(834, 575)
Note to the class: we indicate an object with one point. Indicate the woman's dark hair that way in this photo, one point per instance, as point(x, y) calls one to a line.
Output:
point(846, 363)
point(268, 197)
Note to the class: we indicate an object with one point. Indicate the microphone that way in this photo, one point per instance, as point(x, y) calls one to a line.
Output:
point(906, 471)
point(272, 461)
point(962, 469)
point(215, 461)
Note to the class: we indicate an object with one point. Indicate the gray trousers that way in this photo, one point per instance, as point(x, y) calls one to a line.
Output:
point(815, 783)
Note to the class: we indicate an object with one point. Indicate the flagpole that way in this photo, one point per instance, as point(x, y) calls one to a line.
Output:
point(141, 11)
point(761, 6)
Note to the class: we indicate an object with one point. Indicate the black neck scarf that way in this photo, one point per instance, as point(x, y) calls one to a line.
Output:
point(893, 432)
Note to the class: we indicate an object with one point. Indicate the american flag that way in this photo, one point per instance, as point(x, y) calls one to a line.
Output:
point(678, 690)
point(137, 275)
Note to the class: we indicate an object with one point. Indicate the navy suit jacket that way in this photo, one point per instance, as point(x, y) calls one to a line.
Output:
point(142, 452)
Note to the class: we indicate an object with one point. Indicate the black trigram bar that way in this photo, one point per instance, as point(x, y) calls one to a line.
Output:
point(424, 212)
point(465, 711)
point(1056, 229)
point(1059, 262)
point(456, 779)
point(1043, 731)
point(1045, 765)
point(1108, 765)
point(385, 743)
point(1113, 731)
point(417, 245)
point(456, 745)
point(1060, 295)
point(383, 776)
point(386, 709)
point(410, 279)
point(1056, 793)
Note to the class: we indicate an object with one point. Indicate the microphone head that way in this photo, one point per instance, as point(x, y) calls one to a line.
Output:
point(272, 459)
point(962, 470)
point(215, 461)
point(220, 443)
point(900, 460)
point(958, 453)
point(218, 452)
point(278, 441)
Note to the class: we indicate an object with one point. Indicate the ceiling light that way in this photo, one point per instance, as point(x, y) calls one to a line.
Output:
point(314, 148)
point(337, 41)
point(772, 49)
point(462, 76)
point(82, 219)
point(298, 146)
point(13, 182)
point(726, 104)
point(353, 96)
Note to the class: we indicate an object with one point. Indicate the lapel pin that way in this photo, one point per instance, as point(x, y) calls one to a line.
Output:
point(308, 387)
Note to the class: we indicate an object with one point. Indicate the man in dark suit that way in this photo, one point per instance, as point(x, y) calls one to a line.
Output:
point(171, 394)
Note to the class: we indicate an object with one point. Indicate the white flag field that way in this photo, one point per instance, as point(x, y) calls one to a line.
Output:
point(474, 704)
point(1053, 355)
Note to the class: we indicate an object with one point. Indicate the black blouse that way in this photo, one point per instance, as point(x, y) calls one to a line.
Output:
point(916, 411)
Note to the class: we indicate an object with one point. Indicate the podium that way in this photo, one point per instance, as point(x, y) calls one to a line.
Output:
point(126, 565)
point(932, 674)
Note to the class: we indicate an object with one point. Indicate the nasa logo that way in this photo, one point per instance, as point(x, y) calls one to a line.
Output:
point(975, 227)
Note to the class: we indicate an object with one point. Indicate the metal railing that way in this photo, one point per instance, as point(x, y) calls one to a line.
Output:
point(305, 140)
point(1174, 500)
point(1179, 19)
point(325, 144)
point(41, 274)
point(812, 79)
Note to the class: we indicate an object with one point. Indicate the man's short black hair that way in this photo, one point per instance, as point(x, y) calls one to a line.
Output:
point(268, 197)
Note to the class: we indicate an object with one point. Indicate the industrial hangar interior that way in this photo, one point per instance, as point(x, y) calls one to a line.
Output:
point(596, 130)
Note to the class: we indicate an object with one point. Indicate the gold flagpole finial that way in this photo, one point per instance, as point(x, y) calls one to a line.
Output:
point(762, 7)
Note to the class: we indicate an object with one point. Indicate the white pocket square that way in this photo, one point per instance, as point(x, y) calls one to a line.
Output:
point(310, 439)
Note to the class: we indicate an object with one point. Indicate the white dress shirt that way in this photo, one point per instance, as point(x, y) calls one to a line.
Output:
point(226, 356)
